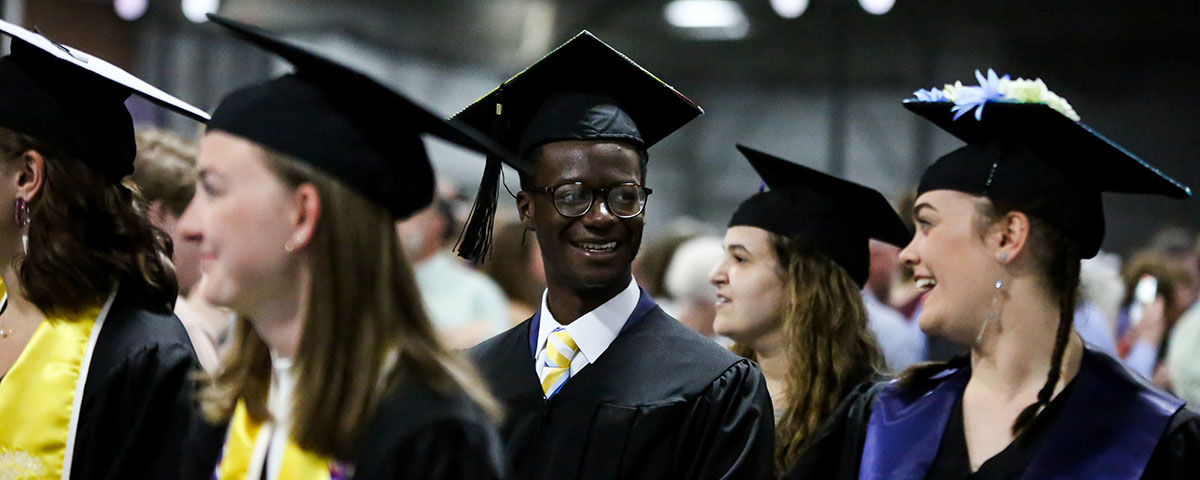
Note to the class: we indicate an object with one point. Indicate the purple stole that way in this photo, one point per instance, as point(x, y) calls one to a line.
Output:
point(1109, 428)
point(645, 305)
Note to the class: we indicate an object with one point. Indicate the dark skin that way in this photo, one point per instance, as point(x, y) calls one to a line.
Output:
point(579, 278)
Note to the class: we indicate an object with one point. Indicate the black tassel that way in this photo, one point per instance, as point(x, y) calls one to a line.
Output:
point(476, 238)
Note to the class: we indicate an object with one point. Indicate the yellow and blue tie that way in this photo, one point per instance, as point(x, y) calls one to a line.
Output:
point(556, 366)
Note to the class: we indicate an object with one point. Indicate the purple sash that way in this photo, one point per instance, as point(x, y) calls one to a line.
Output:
point(1108, 430)
point(645, 305)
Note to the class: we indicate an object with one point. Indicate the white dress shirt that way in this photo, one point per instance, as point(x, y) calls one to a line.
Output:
point(593, 332)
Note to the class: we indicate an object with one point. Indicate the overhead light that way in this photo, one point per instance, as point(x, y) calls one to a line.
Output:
point(130, 10)
point(789, 8)
point(708, 19)
point(197, 10)
point(877, 7)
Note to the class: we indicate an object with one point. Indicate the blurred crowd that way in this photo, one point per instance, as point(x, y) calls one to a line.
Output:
point(1141, 308)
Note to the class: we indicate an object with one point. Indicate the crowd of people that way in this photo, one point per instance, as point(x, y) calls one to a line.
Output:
point(294, 296)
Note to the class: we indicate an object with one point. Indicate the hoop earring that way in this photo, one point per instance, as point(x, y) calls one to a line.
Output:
point(992, 314)
point(290, 245)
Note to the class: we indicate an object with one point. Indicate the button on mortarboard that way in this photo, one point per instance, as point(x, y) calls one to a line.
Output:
point(835, 217)
point(73, 101)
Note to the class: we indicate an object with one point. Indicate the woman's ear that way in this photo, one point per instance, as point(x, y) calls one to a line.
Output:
point(31, 174)
point(1011, 235)
point(308, 212)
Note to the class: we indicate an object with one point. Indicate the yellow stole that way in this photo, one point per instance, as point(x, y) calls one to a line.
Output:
point(243, 447)
point(38, 398)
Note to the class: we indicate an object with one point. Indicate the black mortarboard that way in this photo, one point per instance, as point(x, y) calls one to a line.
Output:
point(74, 101)
point(1035, 159)
point(345, 123)
point(834, 217)
point(582, 90)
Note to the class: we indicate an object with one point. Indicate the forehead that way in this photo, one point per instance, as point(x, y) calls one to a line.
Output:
point(593, 162)
point(947, 202)
point(753, 239)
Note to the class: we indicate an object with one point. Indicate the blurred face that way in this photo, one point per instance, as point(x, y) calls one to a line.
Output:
point(240, 219)
point(952, 264)
point(750, 288)
point(594, 251)
point(185, 256)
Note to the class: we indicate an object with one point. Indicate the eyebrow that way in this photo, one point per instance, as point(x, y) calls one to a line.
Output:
point(737, 246)
point(921, 206)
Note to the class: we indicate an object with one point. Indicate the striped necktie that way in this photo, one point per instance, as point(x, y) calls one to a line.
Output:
point(556, 365)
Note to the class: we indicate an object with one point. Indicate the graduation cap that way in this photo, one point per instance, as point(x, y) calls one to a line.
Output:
point(345, 123)
point(1036, 159)
point(75, 102)
point(835, 217)
point(582, 90)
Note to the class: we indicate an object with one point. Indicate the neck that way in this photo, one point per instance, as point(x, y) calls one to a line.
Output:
point(1017, 348)
point(568, 305)
point(279, 319)
point(772, 359)
point(19, 310)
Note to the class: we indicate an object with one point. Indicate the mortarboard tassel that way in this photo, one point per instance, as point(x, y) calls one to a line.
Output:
point(476, 238)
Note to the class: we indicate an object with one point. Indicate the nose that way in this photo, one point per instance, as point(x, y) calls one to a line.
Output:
point(189, 223)
point(908, 256)
point(718, 275)
point(599, 216)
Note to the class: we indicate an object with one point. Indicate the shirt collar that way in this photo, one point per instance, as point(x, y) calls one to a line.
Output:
point(595, 330)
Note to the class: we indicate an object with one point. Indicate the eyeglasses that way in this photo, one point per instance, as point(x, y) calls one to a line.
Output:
point(573, 200)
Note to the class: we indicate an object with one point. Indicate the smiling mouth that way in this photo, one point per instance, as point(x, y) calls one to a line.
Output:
point(596, 247)
point(926, 284)
point(722, 301)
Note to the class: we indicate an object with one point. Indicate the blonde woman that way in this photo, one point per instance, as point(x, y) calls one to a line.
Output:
point(335, 371)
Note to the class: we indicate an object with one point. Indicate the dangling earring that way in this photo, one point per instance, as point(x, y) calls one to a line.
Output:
point(992, 314)
point(21, 215)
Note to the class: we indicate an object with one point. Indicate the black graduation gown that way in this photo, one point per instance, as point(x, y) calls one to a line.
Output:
point(662, 402)
point(1087, 431)
point(416, 433)
point(138, 400)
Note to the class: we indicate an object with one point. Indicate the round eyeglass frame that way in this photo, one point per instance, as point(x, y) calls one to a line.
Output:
point(605, 192)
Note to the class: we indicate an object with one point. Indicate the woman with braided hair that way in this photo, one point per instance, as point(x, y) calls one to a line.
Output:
point(1002, 225)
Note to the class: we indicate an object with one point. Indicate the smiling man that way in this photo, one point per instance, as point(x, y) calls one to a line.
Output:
point(601, 383)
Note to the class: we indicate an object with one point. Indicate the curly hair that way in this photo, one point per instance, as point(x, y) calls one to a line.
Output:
point(88, 233)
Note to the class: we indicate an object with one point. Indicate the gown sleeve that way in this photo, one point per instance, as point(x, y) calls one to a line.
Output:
point(731, 432)
point(1177, 455)
point(836, 449)
point(133, 422)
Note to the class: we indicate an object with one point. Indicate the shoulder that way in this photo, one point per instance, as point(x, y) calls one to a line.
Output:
point(414, 411)
point(665, 339)
point(502, 344)
point(1125, 383)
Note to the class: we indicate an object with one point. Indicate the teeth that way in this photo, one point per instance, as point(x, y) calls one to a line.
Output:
point(598, 246)
point(926, 283)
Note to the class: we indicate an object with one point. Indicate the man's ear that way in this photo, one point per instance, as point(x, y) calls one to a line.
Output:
point(525, 209)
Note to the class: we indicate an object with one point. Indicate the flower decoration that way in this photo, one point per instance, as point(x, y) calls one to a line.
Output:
point(995, 88)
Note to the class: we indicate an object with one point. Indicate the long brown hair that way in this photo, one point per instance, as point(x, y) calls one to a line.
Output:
point(1058, 256)
point(830, 350)
point(363, 309)
point(88, 232)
